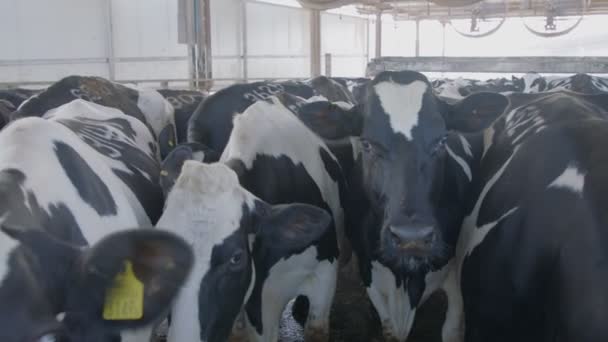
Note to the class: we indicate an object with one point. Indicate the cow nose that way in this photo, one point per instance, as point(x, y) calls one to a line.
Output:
point(408, 236)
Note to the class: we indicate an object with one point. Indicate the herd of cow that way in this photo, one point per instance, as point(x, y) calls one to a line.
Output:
point(494, 192)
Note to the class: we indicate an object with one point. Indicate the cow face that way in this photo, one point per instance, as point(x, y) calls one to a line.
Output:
point(402, 162)
point(209, 208)
point(52, 291)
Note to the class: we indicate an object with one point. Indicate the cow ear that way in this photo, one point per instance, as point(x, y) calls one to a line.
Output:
point(129, 279)
point(475, 112)
point(293, 227)
point(331, 121)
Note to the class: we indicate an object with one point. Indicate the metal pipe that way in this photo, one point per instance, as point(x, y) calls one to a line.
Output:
point(378, 34)
point(417, 37)
point(328, 64)
point(315, 43)
point(110, 41)
point(244, 48)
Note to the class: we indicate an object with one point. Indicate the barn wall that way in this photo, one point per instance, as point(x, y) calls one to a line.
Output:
point(35, 29)
point(46, 40)
point(346, 39)
point(43, 41)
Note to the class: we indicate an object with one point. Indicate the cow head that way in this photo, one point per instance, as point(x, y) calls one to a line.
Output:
point(53, 291)
point(403, 164)
point(223, 221)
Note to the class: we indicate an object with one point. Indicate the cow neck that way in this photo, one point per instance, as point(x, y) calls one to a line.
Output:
point(464, 153)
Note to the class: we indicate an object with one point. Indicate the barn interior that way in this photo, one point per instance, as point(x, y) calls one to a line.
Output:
point(192, 50)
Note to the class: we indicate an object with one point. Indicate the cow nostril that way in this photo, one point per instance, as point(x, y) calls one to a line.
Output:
point(405, 236)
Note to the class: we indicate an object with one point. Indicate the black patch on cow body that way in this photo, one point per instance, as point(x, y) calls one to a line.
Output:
point(539, 274)
point(211, 123)
point(277, 180)
point(144, 172)
point(184, 103)
point(22, 209)
point(90, 187)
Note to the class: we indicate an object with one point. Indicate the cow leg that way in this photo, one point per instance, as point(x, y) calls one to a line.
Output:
point(391, 303)
point(320, 293)
point(453, 327)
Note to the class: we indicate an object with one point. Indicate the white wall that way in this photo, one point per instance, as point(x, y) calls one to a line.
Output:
point(346, 38)
point(45, 40)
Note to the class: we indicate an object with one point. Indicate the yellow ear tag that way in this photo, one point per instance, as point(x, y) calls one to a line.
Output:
point(125, 300)
point(171, 143)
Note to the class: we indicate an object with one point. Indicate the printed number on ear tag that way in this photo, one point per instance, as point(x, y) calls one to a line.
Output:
point(125, 300)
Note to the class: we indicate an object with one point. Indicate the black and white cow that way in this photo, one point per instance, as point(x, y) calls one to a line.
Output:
point(211, 124)
point(12, 98)
point(279, 161)
point(456, 90)
point(404, 212)
point(524, 224)
point(184, 103)
point(356, 86)
point(580, 83)
point(530, 253)
point(531, 82)
point(147, 105)
point(332, 90)
point(72, 184)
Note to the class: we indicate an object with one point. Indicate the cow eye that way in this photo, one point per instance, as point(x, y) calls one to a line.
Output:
point(236, 258)
point(367, 146)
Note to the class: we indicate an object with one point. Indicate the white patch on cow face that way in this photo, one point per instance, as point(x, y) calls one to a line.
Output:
point(204, 207)
point(300, 274)
point(402, 104)
point(571, 179)
point(392, 303)
point(463, 164)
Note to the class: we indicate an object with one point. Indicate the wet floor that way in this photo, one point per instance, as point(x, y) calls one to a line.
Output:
point(353, 318)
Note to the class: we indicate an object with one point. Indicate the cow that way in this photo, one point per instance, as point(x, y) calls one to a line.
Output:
point(580, 83)
point(71, 188)
point(356, 86)
point(144, 104)
point(277, 159)
point(184, 103)
point(530, 248)
point(403, 211)
point(211, 123)
point(456, 90)
point(531, 82)
point(332, 90)
point(13, 97)
point(10, 100)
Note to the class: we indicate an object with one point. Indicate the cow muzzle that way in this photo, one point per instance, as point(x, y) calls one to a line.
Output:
point(413, 240)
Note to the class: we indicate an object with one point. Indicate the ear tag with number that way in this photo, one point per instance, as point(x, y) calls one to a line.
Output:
point(125, 300)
